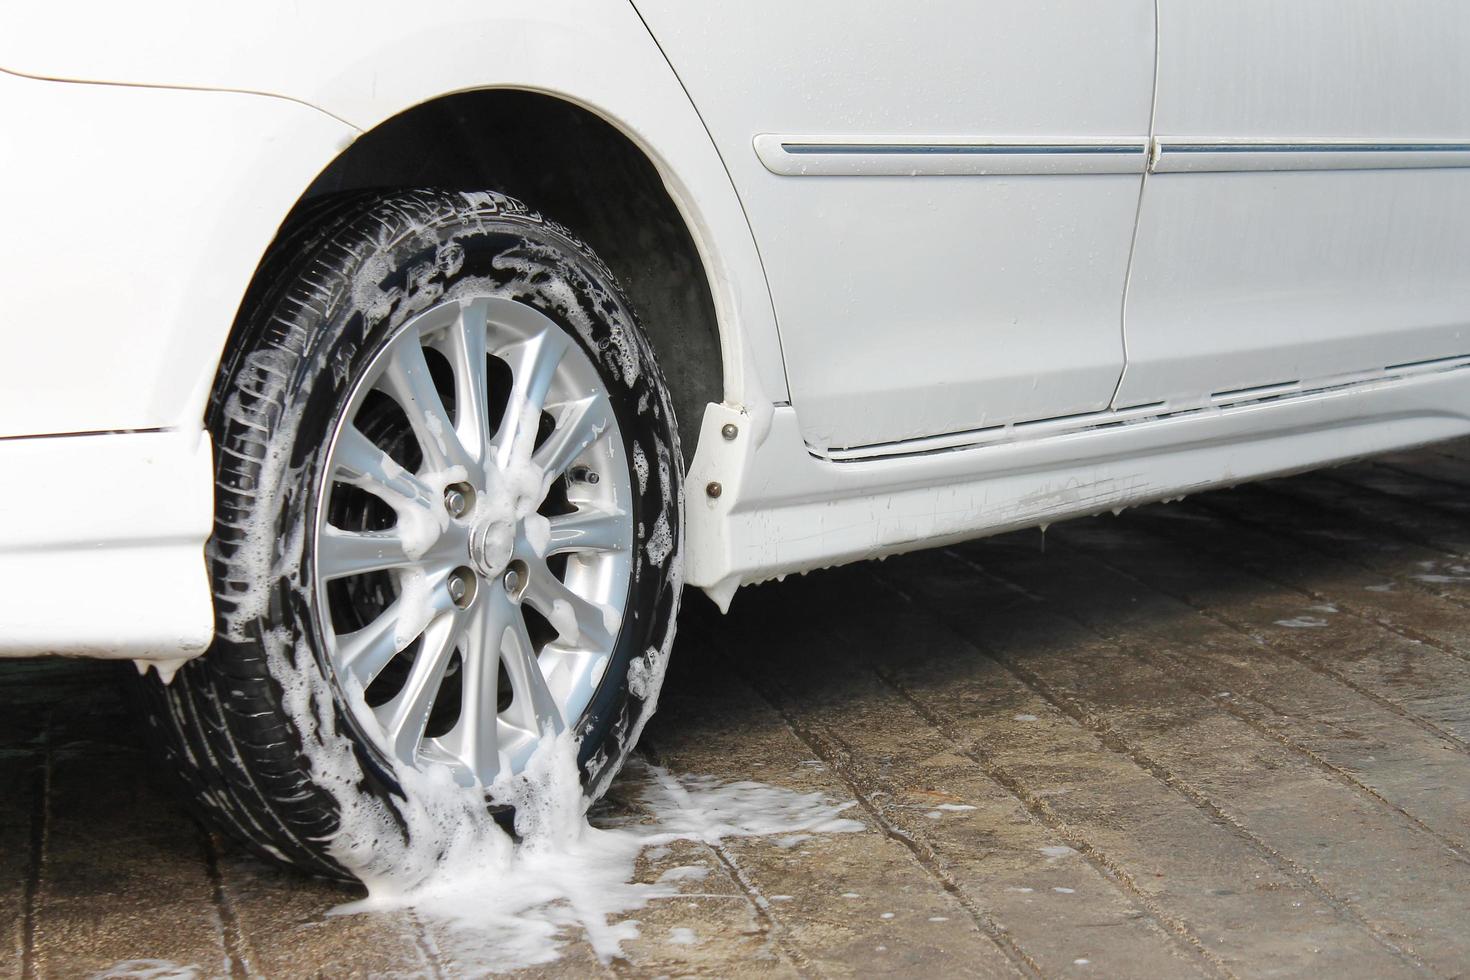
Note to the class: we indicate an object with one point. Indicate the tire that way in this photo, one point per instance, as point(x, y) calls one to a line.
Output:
point(275, 730)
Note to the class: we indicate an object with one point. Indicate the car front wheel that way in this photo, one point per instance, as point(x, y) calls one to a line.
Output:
point(448, 523)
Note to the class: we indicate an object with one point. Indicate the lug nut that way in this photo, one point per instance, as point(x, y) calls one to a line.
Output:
point(517, 577)
point(729, 431)
point(457, 497)
point(461, 586)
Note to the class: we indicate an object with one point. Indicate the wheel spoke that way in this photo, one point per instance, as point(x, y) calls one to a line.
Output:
point(589, 529)
point(406, 716)
point(580, 623)
point(533, 365)
point(361, 463)
point(364, 653)
point(408, 380)
point(533, 708)
point(582, 423)
point(478, 743)
point(342, 553)
point(468, 352)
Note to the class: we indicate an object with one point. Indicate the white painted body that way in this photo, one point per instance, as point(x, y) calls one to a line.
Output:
point(1247, 277)
point(975, 266)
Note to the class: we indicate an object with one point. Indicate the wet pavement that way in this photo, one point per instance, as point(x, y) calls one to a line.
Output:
point(1223, 737)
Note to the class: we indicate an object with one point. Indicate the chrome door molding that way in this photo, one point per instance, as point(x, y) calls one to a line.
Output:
point(947, 156)
point(940, 156)
point(1225, 156)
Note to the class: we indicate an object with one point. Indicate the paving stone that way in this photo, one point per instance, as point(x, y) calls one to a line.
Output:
point(834, 889)
point(1363, 856)
point(1207, 878)
point(1278, 658)
point(123, 875)
point(1012, 867)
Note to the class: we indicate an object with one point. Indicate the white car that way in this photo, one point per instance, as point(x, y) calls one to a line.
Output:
point(305, 410)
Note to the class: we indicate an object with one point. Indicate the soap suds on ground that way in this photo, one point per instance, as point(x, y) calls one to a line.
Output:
point(509, 903)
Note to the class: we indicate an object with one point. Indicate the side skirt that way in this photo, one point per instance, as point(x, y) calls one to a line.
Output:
point(779, 508)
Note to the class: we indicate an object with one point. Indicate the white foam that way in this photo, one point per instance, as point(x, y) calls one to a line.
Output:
point(507, 904)
point(564, 618)
point(640, 467)
point(660, 542)
point(538, 532)
point(415, 606)
point(148, 970)
point(1303, 622)
point(685, 872)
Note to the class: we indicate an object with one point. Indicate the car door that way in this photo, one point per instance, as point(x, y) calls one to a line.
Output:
point(1308, 214)
point(943, 195)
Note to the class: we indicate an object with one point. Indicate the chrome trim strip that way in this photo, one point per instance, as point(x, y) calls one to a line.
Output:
point(867, 156)
point(941, 148)
point(901, 156)
point(1231, 156)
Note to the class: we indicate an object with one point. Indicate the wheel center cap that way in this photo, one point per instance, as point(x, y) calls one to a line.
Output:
point(491, 543)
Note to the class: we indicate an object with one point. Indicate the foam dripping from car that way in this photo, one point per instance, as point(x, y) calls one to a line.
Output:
point(502, 903)
point(508, 901)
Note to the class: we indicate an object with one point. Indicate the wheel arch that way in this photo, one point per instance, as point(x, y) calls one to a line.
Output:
point(581, 171)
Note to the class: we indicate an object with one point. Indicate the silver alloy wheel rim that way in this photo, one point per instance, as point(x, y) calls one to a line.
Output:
point(457, 588)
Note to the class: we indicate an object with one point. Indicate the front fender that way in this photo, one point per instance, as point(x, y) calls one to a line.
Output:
point(134, 220)
point(366, 62)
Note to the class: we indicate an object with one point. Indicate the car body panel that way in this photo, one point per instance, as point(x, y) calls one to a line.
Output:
point(1247, 280)
point(144, 220)
point(121, 581)
point(1273, 255)
point(880, 348)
